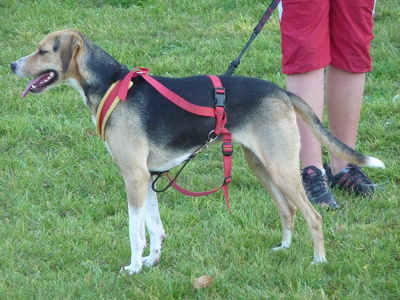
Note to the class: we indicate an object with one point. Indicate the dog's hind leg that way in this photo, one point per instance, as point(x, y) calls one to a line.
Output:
point(287, 210)
point(154, 227)
point(282, 179)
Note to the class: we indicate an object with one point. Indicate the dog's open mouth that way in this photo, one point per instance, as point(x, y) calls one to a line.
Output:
point(39, 83)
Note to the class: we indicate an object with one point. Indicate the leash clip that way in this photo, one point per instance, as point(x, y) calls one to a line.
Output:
point(212, 136)
point(220, 97)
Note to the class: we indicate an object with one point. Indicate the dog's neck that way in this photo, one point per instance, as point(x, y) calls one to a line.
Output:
point(94, 91)
point(99, 77)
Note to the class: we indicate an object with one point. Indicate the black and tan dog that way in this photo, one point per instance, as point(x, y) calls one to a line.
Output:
point(148, 133)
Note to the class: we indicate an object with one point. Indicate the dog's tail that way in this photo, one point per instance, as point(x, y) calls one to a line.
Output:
point(328, 139)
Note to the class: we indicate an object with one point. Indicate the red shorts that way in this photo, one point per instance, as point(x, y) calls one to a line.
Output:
point(318, 33)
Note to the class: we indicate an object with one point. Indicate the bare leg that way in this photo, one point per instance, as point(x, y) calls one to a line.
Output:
point(344, 92)
point(310, 87)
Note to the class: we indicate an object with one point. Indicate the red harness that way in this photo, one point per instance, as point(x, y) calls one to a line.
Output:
point(120, 91)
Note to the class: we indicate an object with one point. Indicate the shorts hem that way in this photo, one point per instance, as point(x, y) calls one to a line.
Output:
point(293, 71)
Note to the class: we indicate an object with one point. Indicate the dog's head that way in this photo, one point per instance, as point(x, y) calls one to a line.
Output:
point(54, 61)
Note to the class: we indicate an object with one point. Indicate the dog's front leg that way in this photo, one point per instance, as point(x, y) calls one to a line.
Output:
point(154, 227)
point(136, 223)
point(136, 191)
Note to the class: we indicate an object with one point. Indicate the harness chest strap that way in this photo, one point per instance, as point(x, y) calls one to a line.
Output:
point(106, 107)
point(117, 92)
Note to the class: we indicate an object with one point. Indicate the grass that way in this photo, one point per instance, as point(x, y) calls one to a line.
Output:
point(63, 219)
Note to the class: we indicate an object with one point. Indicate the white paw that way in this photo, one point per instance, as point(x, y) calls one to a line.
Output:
point(318, 260)
point(130, 270)
point(280, 248)
point(150, 260)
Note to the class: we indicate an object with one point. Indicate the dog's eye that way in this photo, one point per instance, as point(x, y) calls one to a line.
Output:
point(42, 52)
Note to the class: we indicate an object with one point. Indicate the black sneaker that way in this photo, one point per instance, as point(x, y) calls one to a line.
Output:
point(352, 180)
point(316, 185)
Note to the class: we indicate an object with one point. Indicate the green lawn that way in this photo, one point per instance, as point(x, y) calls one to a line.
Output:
point(63, 219)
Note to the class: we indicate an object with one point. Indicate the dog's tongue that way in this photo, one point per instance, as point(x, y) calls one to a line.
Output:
point(32, 82)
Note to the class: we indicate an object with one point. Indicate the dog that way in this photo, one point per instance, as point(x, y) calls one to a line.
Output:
point(148, 133)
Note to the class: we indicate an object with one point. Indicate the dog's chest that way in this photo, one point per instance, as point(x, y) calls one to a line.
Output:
point(160, 162)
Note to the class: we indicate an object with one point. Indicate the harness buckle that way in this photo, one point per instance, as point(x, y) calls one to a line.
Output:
point(220, 97)
point(227, 148)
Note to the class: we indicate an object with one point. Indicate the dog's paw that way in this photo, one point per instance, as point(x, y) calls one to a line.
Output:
point(150, 260)
point(131, 270)
point(318, 260)
point(275, 249)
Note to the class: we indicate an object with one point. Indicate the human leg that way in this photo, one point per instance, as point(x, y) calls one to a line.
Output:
point(344, 92)
point(305, 54)
point(351, 35)
point(310, 87)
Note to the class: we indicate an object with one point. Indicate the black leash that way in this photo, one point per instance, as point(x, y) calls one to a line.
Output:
point(256, 31)
point(159, 174)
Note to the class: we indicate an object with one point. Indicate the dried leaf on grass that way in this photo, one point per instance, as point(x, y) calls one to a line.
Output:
point(202, 282)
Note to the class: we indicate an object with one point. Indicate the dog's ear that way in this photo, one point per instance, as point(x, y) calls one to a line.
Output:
point(70, 45)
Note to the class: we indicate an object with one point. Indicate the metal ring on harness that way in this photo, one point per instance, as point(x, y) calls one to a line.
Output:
point(212, 138)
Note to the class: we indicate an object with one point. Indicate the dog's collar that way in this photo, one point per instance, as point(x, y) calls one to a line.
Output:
point(107, 106)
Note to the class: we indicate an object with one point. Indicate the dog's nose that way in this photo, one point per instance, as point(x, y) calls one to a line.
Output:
point(13, 66)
